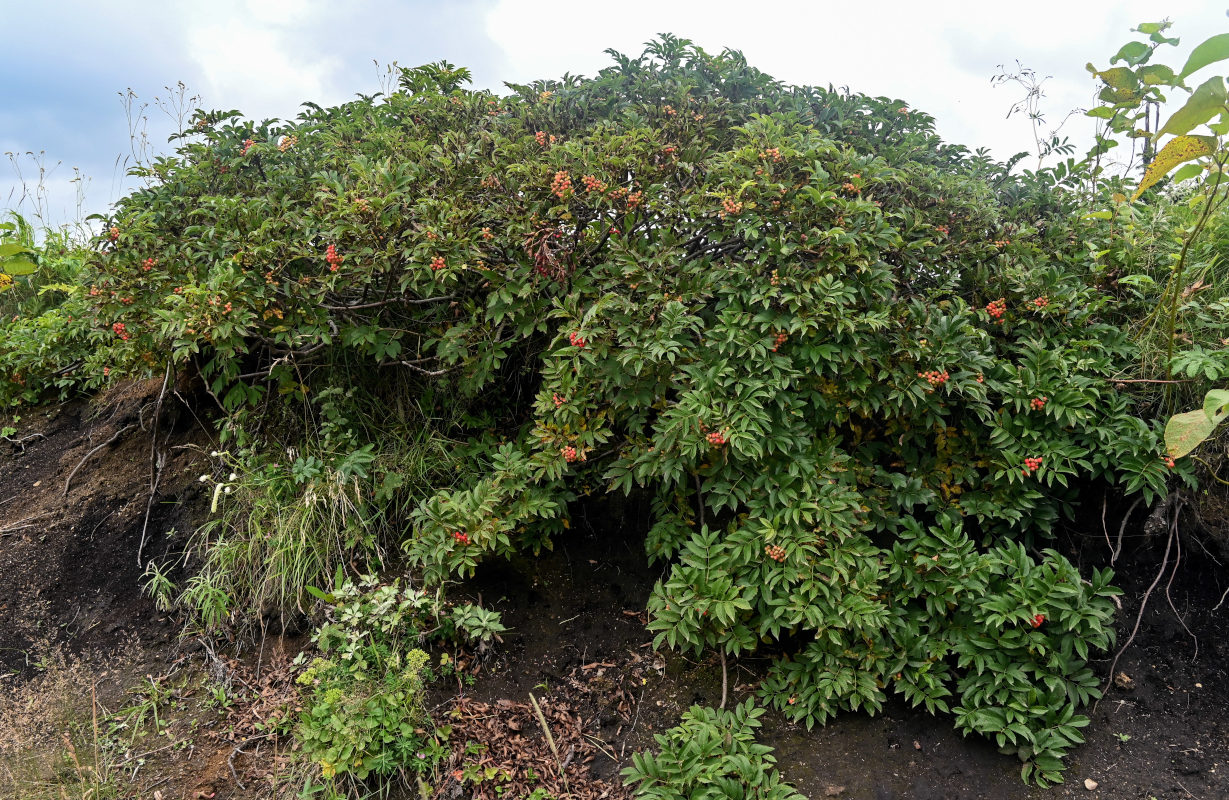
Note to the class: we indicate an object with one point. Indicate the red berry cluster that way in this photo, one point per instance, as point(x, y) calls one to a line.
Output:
point(849, 187)
point(943, 229)
point(577, 340)
point(569, 453)
point(780, 339)
point(247, 145)
point(996, 309)
point(558, 400)
point(731, 207)
point(935, 378)
point(1038, 403)
point(775, 280)
point(126, 301)
point(1041, 302)
point(593, 184)
point(670, 111)
point(1038, 619)
point(460, 537)
point(287, 142)
point(670, 150)
point(330, 255)
point(486, 234)
point(634, 199)
point(113, 233)
point(1168, 461)
point(981, 378)
point(148, 264)
point(437, 264)
point(120, 330)
point(543, 138)
point(776, 552)
point(715, 438)
point(561, 184)
point(1031, 465)
point(772, 153)
point(1001, 243)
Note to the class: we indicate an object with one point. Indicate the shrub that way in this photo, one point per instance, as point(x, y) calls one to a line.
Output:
point(805, 325)
point(711, 754)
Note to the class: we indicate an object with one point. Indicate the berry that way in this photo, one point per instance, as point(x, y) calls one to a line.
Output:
point(731, 207)
point(935, 378)
point(247, 145)
point(577, 340)
point(558, 400)
point(438, 264)
point(569, 453)
point(996, 309)
point(716, 438)
point(1041, 302)
point(775, 552)
point(780, 339)
point(148, 264)
point(1038, 403)
point(1038, 619)
point(113, 233)
point(331, 256)
point(561, 184)
point(460, 537)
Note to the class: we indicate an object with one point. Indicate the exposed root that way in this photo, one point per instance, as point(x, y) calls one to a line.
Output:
point(69, 482)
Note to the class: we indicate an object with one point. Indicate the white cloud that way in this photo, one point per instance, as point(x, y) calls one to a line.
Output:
point(251, 56)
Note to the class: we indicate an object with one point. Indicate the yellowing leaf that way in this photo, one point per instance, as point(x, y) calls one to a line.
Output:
point(1179, 149)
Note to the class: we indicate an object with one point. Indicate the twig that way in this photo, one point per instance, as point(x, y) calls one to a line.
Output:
point(550, 739)
point(156, 460)
point(1222, 600)
point(230, 761)
point(725, 679)
point(1139, 617)
point(1172, 575)
point(1117, 550)
point(22, 523)
point(86, 457)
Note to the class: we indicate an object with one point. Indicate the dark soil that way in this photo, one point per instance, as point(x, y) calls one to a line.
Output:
point(577, 641)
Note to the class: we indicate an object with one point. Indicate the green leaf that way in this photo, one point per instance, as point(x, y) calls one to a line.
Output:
point(1133, 53)
point(1185, 432)
point(1121, 78)
point(1157, 75)
point(1203, 104)
point(1216, 404)
point(1186, 173)
point(1100, 112)
point(19, 267)
point(1151, 27)
point(1182, 148)
point(1208, 52)
point(12, 248)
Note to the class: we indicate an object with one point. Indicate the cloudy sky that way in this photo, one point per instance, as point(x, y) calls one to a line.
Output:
point(67, 66)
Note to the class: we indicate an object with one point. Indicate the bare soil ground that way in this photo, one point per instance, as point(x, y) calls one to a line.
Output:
point(577, 642)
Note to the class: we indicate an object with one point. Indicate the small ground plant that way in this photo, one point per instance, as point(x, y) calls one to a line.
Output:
point(364, 716)
point(711, 755)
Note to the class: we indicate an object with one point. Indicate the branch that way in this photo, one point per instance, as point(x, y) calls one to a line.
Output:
point(402, 300)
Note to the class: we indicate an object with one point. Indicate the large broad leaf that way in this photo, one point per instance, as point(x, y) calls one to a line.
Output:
point(1185, 432)
point(1133, 53)
point(1203, 104)
point(1187, 172)
point(1209, 52)
point(1119, 78)
point(1157, 75)
point(12, 248)
point(18, 266)
point(1179, 149)
point(1216, 405)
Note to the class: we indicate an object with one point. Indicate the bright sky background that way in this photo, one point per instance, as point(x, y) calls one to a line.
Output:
point(66, 64)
